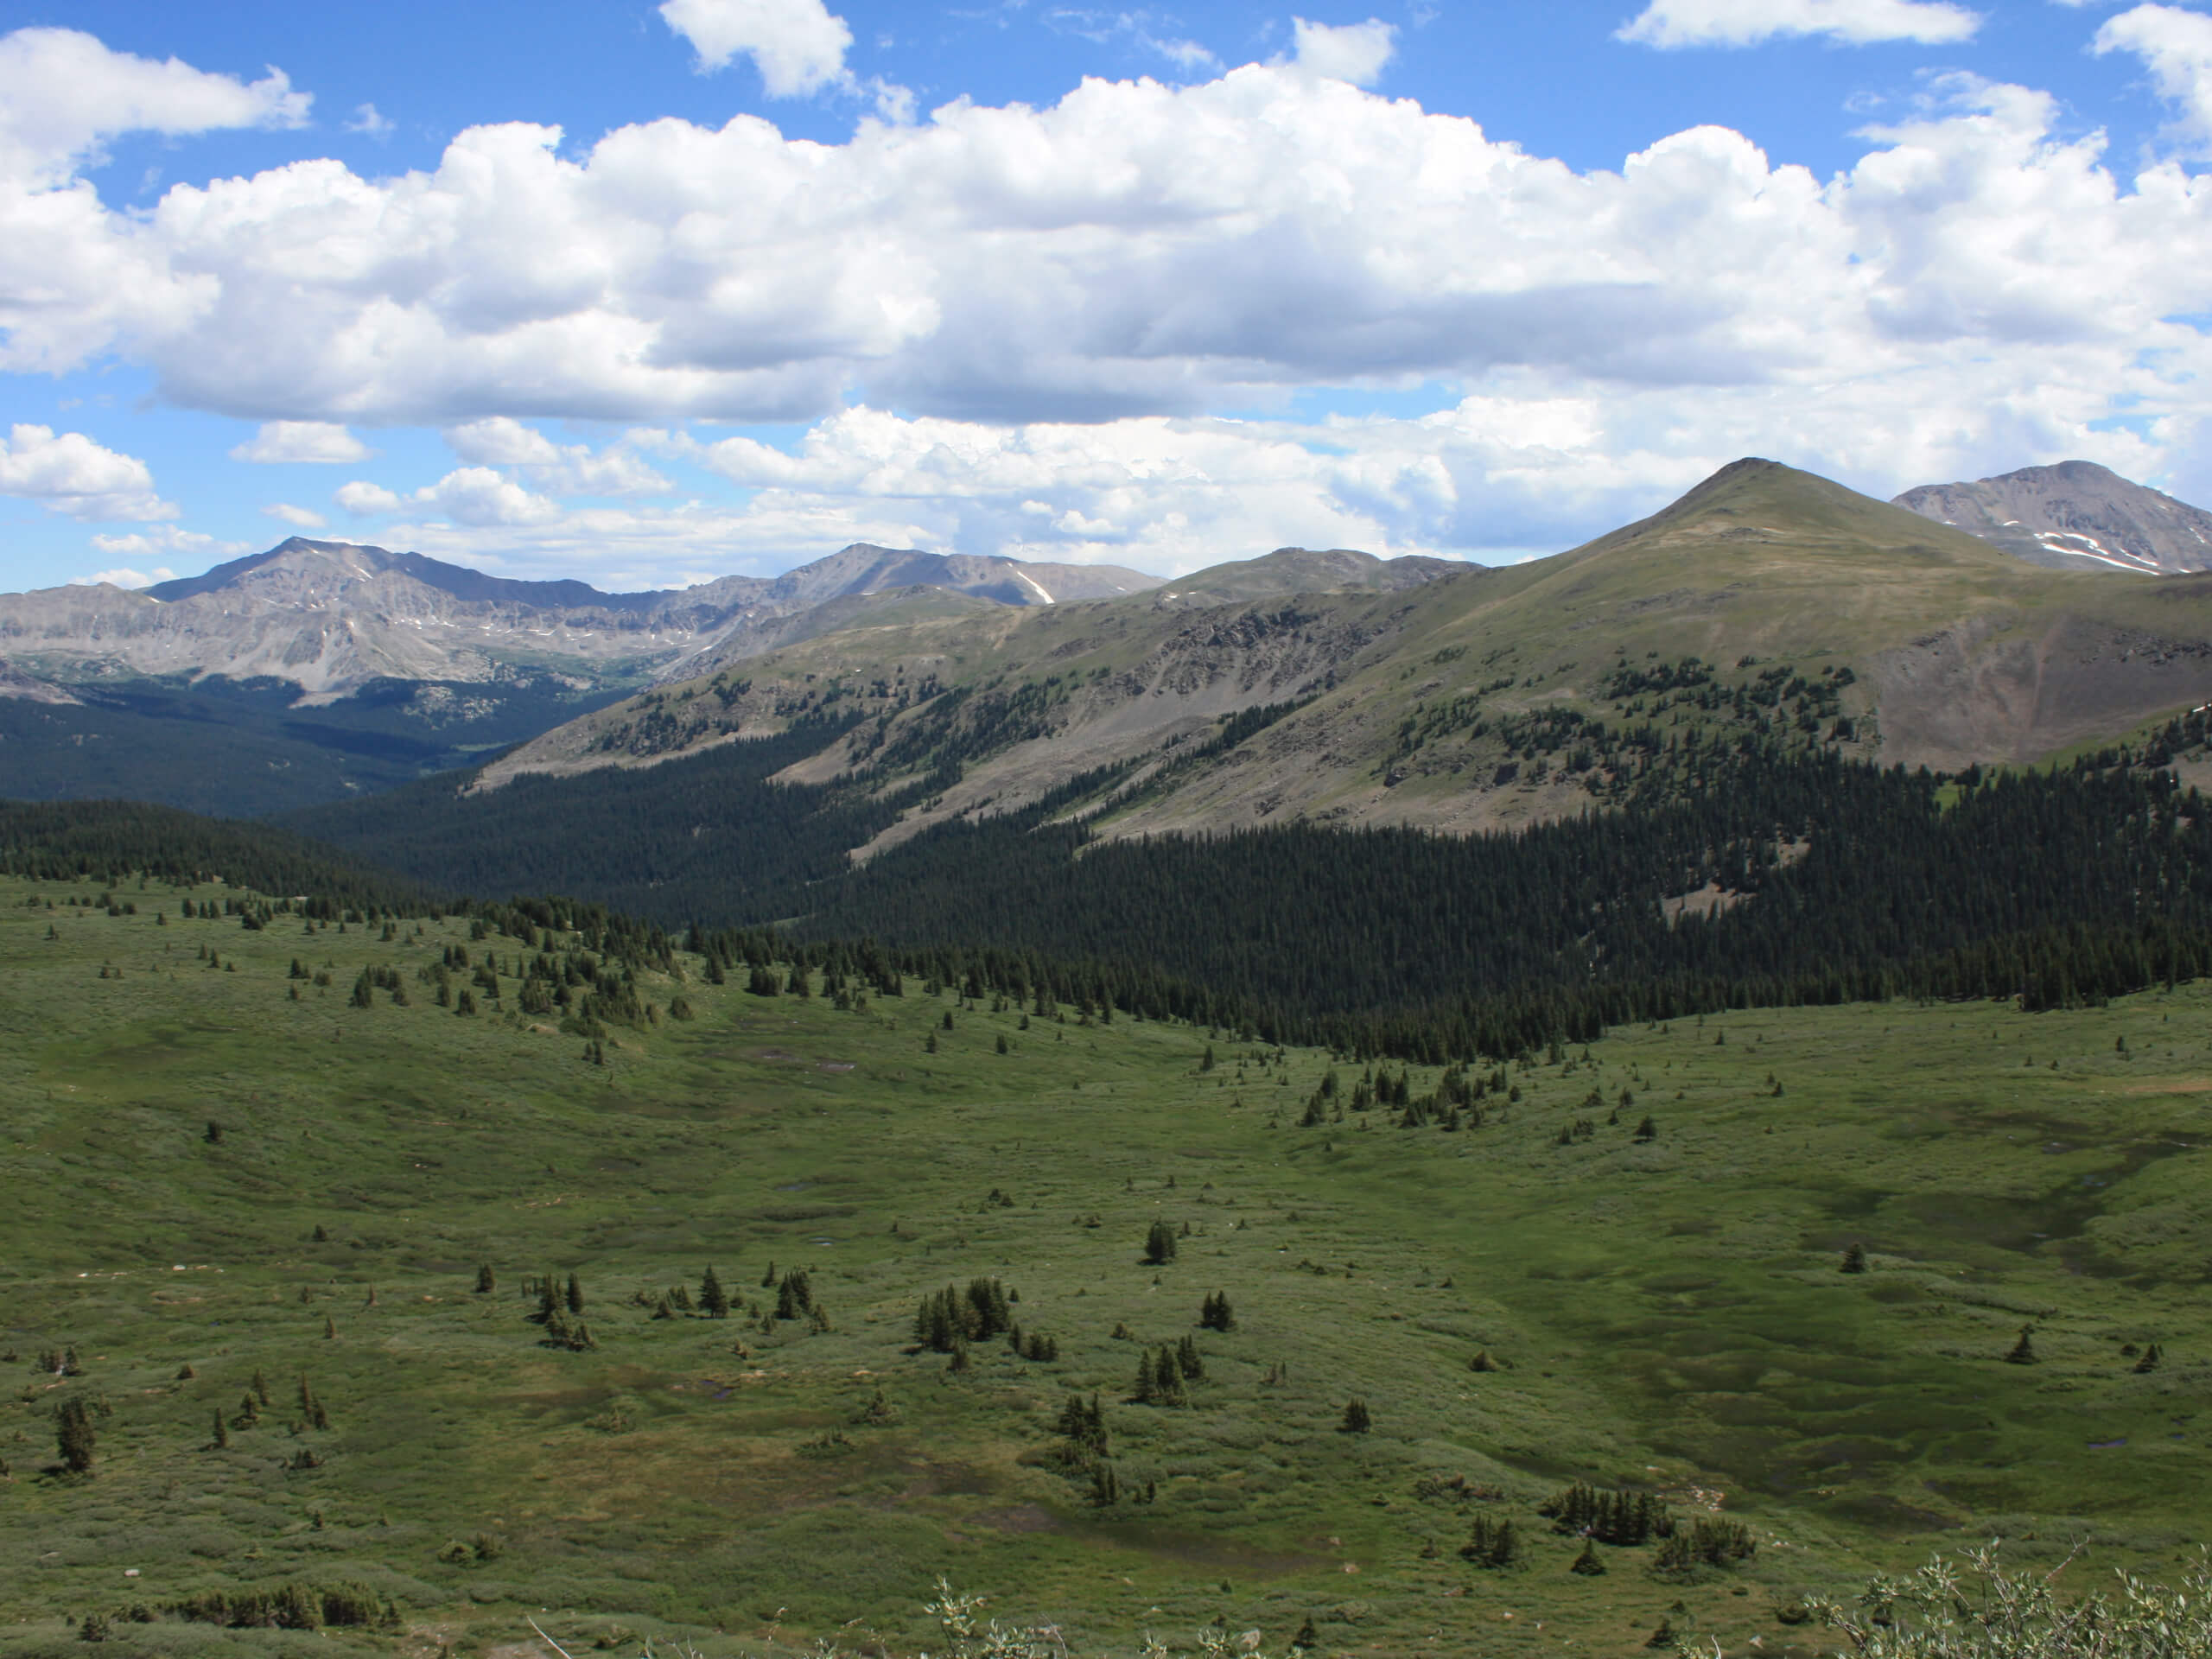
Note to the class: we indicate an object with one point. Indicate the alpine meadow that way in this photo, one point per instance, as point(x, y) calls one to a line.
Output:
point(834, 830)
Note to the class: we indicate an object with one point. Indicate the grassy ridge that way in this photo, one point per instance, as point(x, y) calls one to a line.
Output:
point(1668, 1313)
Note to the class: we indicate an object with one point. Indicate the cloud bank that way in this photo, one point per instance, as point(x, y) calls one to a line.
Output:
point(1060, 301)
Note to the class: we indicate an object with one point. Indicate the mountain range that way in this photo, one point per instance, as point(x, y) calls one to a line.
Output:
point(321, 672)
point(1766, 601)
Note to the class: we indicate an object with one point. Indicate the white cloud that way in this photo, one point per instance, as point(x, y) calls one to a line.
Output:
point(1979, 287)
point(1135, 249)
point(1748, 23)
point(478, 496)
point(123, 576)
point(166, 539)
point(573, 469)
point(299, 517)
point(368, 121)
point(68, 473)
point(2175, 47)
point(798, 45)
point(301, 441)
point(364, 500)
point(1353, 52)
point(475, 496)
point(62, 93)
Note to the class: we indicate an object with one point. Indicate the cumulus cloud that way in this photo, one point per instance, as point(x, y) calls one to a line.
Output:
point(477, 496)
point(123, 576)
point(1136, 248)
point(798, 46)
point(565, 470)
point(1352, 52)
point(63, 94)
point(164, 539)
point(2175, 47)
point(364, 500)
point(1748, 23)
point(1978, 287)
point(298, 518)
point(67, 472)
point(301, 441)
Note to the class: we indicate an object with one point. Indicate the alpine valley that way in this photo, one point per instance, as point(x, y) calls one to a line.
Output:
point(1330, 1105)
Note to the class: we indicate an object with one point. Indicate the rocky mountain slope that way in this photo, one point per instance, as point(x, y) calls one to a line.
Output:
point(331, 617)
point(2075, 515)
point(318, 671)
point(1766, 605)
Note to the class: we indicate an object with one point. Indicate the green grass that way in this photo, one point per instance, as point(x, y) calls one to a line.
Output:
point(1668, 1315)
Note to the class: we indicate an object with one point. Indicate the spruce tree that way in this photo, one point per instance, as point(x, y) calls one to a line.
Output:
point(1854, 1259)
point(1587, 1563)
point(713, 1300)
point(74, 1435)
point(2022, 1351)
point(1357, 1418)
point(1160, 1244)
point(486, 1280)
point(222, 1431)
point(576, 1297)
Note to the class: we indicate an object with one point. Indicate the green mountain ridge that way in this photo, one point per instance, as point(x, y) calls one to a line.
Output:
point(1767, 605)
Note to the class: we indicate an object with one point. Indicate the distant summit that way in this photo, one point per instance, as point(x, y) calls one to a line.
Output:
point(2074, 515)
point(332, 617)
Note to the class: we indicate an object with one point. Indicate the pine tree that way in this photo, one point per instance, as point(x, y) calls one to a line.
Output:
point(2151, 1355)
point(1357, 1418)
point(713, 1300)
point(1189, 1362)
point(576, 1297)
point(75, 1436)
point(1160, 1244)
point(1647, 1130)
point(1308, 1637)
point(486, 1280)
point(1587, 1563)
point(222, 1431)
point(260, 1387)
point(1215, 1314)
point(1854, 1259)
point(2023, 1351)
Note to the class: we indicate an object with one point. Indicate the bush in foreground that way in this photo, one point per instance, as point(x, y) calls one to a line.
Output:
point(1977, 1609)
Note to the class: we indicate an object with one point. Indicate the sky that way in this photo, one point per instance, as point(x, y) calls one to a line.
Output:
point(646, 292)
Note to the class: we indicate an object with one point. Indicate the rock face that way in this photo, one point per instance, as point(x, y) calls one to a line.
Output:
point(331, 617)
point(2075, 515)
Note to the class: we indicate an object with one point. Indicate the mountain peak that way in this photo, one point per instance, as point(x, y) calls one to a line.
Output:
point(2073, 514)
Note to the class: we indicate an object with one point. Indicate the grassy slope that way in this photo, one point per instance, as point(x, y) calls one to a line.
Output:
point(1670, 1314)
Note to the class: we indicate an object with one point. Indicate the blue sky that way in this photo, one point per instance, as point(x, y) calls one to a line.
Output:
point(1152, 286)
